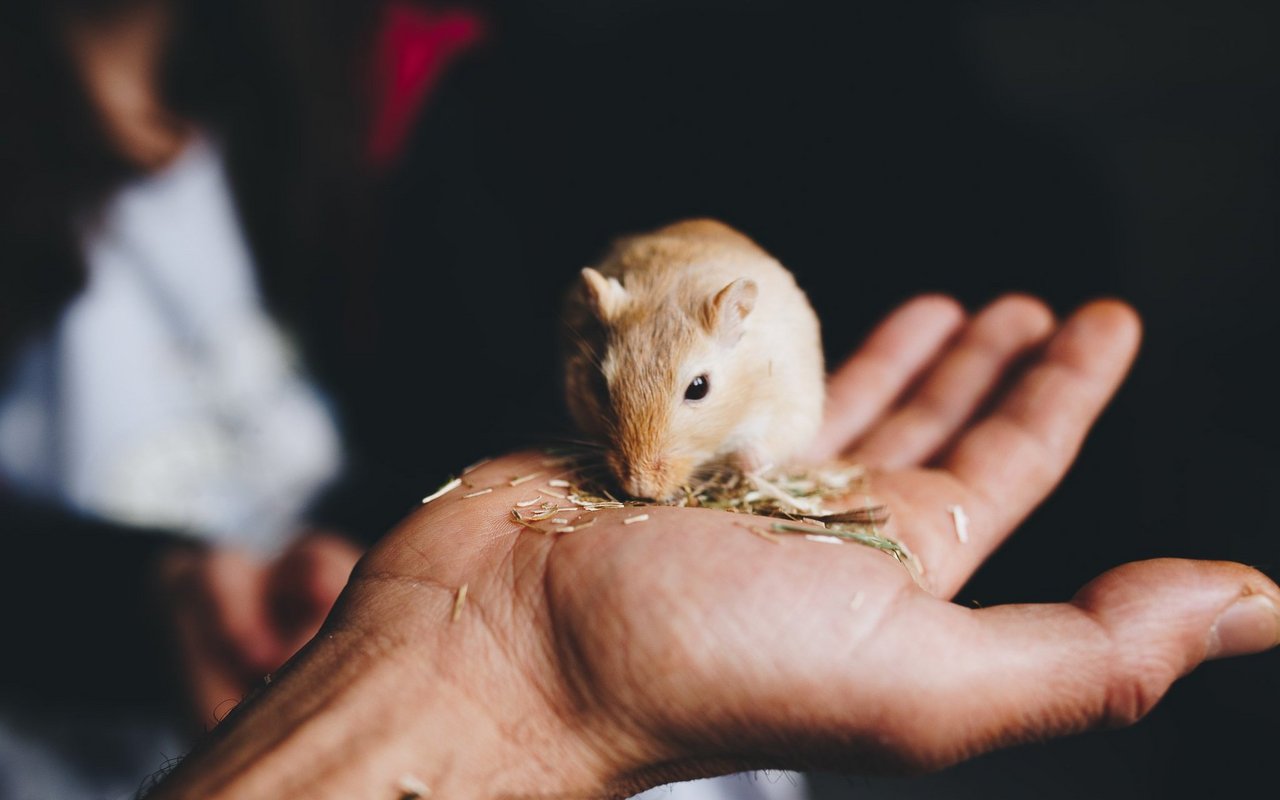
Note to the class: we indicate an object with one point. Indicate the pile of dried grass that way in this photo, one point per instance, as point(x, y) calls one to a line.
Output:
point(794, 501)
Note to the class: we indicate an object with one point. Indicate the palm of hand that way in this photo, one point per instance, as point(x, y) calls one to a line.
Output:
point(689, 643)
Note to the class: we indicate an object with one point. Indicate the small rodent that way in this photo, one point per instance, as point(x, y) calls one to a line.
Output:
point(690, 347)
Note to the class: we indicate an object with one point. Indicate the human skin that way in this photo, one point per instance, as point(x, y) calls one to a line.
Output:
point(597, 663)
point(118, 59)
point(233, 617)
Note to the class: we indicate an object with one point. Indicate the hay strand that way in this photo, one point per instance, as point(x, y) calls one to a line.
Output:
point(448, 486)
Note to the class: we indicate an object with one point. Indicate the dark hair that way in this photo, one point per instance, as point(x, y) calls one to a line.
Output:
point(278, 81)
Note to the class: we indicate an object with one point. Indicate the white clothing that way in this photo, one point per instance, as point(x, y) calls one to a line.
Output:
point(165, 395)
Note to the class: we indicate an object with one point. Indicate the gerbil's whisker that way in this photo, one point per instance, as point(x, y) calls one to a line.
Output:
point(564, 442)
point(587, 349)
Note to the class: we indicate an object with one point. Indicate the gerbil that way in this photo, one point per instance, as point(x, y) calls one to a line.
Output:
point(690, 346)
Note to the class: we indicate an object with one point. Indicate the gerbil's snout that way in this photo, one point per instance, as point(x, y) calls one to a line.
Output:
point(653, 478)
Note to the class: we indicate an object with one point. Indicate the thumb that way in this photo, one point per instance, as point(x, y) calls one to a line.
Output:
point(1014, 673)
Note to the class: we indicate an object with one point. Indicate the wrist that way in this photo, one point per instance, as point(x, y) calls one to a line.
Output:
point(355, 715)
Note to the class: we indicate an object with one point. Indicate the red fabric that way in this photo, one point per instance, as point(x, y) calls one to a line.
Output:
point(415, 46)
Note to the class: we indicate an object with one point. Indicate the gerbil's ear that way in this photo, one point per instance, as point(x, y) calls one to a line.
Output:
point(725, 313)
point(604, 295)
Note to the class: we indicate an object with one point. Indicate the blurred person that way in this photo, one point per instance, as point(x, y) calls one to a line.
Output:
point(162, 446)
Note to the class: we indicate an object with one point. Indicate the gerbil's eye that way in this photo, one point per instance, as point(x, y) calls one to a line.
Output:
point(698, 388)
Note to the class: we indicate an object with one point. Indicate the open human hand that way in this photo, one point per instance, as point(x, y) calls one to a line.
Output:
point(600, 662)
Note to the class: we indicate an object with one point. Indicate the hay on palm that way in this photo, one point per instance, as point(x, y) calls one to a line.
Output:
point(797, 501)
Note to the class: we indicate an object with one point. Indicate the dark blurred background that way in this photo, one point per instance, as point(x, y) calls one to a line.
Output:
point(1067, 149)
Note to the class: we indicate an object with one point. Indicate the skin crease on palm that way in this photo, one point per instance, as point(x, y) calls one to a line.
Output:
point(600, 662)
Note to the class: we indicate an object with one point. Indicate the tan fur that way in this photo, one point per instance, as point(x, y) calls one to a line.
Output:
point(630, 359)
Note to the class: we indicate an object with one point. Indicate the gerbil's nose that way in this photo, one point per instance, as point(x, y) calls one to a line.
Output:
point(648, 488)
point(648, 478)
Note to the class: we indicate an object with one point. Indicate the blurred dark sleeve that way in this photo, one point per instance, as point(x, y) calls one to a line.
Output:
point(81, 622)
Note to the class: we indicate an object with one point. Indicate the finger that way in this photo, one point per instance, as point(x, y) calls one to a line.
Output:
point(214, 685)
point(895, 354)
point(238, 620)
point(966, 375)
point(214, 680)
point(1007, 463)
point(304, 584)
point(984, 679)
